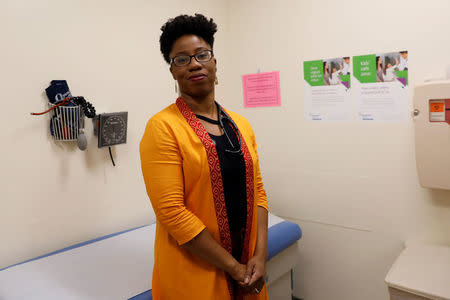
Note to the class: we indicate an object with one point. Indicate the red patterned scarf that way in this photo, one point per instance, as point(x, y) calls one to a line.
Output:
point(217, 185)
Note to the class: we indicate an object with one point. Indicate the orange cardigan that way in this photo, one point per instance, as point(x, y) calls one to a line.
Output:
point(185, 194)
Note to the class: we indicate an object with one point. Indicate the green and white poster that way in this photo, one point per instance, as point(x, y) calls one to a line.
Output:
point(380, 86)
point(327, 89)
point(371, 87)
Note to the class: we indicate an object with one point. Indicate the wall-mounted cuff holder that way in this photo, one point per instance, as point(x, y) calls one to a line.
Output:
point(66, 122)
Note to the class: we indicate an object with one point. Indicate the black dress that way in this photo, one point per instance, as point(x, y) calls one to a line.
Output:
point(232, 166)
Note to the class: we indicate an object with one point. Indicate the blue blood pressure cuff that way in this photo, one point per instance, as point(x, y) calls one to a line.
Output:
point(58, 91)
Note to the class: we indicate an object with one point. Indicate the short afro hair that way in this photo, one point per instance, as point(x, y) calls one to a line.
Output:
point(181, 25)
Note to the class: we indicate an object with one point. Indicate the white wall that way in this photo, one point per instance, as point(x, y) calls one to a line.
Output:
point(351, 186)
point(54, 195)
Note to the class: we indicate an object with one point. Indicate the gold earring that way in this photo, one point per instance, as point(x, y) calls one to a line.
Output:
point(216, 81)
point(176, 87)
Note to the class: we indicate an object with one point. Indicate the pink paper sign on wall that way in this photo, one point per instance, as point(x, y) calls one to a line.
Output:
point(262, 89)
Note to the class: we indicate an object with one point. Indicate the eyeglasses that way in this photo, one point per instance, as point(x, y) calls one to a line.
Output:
point(184, 60)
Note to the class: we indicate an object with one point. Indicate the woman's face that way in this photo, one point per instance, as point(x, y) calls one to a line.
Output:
point(196, 79)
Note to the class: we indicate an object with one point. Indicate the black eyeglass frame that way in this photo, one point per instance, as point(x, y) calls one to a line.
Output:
point(172, 60)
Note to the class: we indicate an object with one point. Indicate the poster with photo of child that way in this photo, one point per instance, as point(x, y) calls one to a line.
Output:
point(331, 71)
point(382, 67)
point(337, 71)
point(327, 89)
point(380, 87)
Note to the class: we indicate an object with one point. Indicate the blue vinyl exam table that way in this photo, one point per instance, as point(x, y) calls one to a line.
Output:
point(119, 266)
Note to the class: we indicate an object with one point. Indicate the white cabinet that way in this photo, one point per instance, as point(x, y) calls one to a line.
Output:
point(432, 134)
point(420, 272)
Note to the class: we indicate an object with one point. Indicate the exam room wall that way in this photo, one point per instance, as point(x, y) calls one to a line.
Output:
point(53, 195)
point(352, 186)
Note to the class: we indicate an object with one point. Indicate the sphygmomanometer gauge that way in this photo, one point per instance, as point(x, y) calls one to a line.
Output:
point(112, 129)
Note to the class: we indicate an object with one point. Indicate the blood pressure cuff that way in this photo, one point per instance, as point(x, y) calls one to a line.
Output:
point(58, 91)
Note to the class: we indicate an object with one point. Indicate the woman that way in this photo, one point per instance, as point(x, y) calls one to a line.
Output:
point(379, 69)
point(326, 74)
point(201, 171)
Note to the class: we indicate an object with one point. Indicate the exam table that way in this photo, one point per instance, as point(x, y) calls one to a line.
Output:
point(119, 266)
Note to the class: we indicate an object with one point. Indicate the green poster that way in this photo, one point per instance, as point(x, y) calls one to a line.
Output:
point(364, 68)
point(313, 72)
